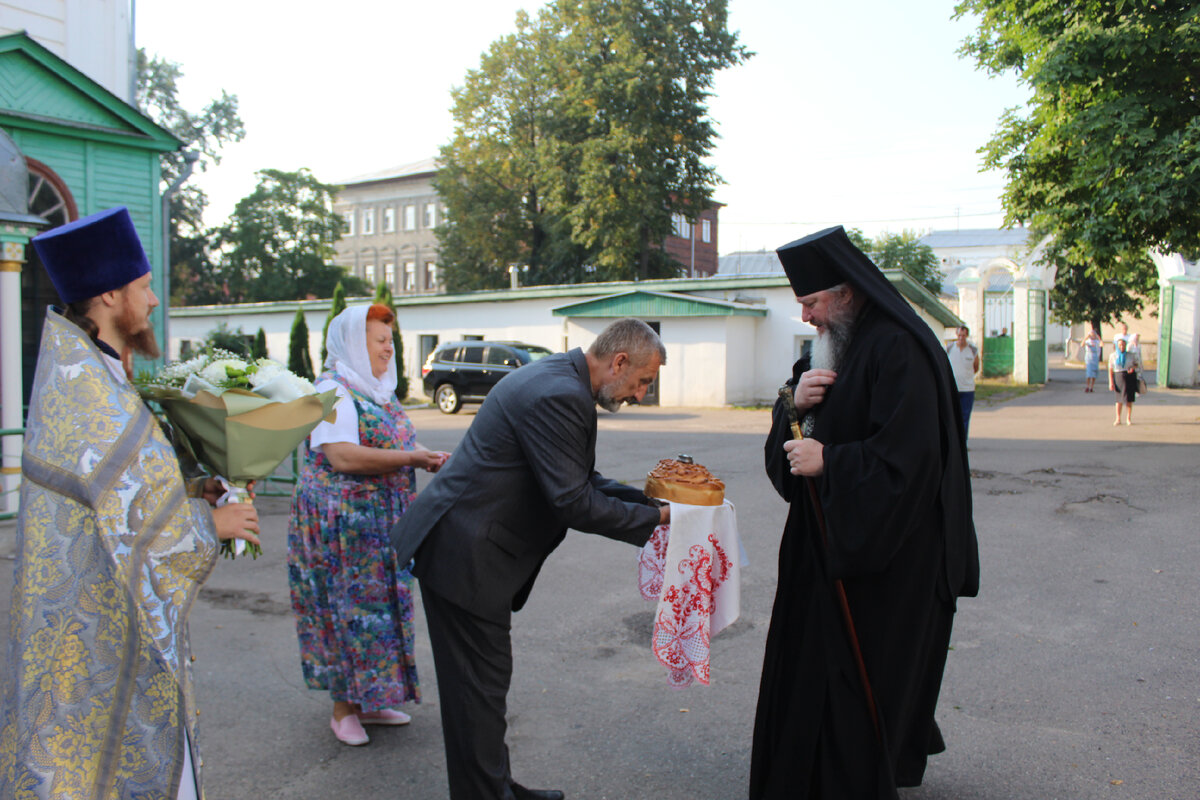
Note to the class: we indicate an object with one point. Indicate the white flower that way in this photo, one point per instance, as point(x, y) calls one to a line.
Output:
point(217, 372)
point(266, 370)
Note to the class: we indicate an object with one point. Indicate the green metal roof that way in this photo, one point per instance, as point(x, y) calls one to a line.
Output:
point(41, 92)
point(638, 303)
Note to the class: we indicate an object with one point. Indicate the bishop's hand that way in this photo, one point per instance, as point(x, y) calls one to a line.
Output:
point(812, 388)
point(805, 457)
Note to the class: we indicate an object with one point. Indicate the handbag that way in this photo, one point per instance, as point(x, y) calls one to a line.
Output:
point(1141, 385)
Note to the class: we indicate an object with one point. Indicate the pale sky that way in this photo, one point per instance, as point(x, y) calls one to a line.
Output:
point(856, 113)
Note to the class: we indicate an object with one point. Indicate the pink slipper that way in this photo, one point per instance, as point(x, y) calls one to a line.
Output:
point(349, 730)
point(384, 716)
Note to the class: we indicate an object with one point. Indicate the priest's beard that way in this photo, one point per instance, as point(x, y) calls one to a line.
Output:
point(830, 346)
point(138, 334)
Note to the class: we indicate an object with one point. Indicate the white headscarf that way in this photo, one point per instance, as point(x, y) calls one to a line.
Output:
point(346, 348)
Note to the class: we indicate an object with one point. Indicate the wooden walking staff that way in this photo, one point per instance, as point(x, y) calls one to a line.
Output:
point(789, 398)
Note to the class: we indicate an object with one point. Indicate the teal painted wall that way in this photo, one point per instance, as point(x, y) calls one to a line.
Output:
point(101, 175)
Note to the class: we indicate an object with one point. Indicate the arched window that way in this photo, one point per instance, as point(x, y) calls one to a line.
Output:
point(51, 200)
point(49, 197)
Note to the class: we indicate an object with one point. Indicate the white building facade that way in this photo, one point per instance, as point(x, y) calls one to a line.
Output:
point(94, 36)
point(730, 341)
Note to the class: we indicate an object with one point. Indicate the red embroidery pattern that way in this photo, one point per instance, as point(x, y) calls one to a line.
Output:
point(650, 563)
point(682, 627)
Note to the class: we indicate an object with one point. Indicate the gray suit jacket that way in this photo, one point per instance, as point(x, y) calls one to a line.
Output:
point(523, 474)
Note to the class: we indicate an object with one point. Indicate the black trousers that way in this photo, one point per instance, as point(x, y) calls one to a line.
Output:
point(473, 660)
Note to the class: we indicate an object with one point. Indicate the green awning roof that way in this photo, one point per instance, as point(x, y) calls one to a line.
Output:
point(639, 303)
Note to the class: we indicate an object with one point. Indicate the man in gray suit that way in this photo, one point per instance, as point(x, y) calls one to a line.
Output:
point(523, 474)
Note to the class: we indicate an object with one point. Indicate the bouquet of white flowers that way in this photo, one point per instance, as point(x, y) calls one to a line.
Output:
point(239, 419)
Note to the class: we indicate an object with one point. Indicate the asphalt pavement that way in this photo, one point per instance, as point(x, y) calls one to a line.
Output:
point(1074, 675)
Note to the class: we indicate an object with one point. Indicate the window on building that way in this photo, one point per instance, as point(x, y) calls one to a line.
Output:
point(431, 215)
point(410, 218)
point(410, 276)
point(389, 275)
point(680, 226)
point(429, 343)
point(389, 220)
point(431, 276)
point(369, 274)
point(348, 222)
point(368, 221)
point(706, 230)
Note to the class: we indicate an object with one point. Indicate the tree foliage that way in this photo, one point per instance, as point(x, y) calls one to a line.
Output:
point(336, 306)
point(205, 132)
point(1084, 294)
point(259, 348)
point(383, 296)
point(903, 251)
point(278, 243)
point(1106, 156)
point(299, 356)
point(578, 137)
point(223, 337)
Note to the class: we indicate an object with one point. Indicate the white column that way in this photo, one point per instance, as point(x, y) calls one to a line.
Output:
point(970, 302)
point(1020, 331)
point(1184, 333)
point(13, 241)
point(1183, 337)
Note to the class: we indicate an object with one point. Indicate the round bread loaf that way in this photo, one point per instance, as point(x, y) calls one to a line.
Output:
point(678, 482)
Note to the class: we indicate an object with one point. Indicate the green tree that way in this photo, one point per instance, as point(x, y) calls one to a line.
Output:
point(491, 177)
point(904, 251)
point(383, 295)
point(205, 132)
point(222, 337)
point(259, 348)
point(299, 356)
point(1084, 294)
point(278, 243)
point(578, 137)
point(336, 306)
point(1106, 155)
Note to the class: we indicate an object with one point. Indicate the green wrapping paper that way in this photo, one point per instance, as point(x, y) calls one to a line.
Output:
point(240, 435)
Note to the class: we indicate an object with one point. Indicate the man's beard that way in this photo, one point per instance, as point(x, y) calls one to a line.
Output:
point(830, 346)
point(604, 398)
point(138, 334)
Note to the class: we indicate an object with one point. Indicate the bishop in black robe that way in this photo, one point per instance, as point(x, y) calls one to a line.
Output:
point(895, 496)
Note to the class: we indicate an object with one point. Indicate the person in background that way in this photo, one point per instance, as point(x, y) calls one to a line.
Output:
point(1123, 367)
point(1093, 349)
point(964, 362)
point(352, 599)
point(1122, 333)
point(112, 547)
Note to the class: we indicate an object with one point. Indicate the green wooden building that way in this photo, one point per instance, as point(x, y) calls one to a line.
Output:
point(86, 150)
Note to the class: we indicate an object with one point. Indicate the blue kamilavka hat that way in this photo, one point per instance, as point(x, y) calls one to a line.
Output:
point(92, 255)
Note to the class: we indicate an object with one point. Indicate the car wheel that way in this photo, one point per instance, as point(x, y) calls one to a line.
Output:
point(447, 399)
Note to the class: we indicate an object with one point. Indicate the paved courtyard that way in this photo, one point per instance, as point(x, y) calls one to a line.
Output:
point(1074, 675)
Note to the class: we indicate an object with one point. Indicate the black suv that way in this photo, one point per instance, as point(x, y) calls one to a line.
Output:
point(464, 372)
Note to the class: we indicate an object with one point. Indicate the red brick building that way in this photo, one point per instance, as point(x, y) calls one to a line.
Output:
point(695, 246)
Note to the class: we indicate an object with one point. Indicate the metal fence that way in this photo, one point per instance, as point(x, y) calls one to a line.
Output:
point(280, 483)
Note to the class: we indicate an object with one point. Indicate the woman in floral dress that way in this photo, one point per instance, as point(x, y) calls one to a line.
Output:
point(353, 602)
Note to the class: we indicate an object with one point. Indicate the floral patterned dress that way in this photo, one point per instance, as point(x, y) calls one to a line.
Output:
point(353, 603)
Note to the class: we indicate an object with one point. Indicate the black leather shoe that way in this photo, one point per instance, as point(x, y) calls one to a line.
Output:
point(521, 793)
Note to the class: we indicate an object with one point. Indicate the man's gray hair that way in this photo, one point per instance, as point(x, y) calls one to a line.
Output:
point(632, 336)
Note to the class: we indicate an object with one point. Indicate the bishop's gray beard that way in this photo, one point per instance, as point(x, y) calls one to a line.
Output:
point(830, 346)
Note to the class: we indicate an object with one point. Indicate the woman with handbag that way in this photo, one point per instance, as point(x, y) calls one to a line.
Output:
point(1123, 367)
